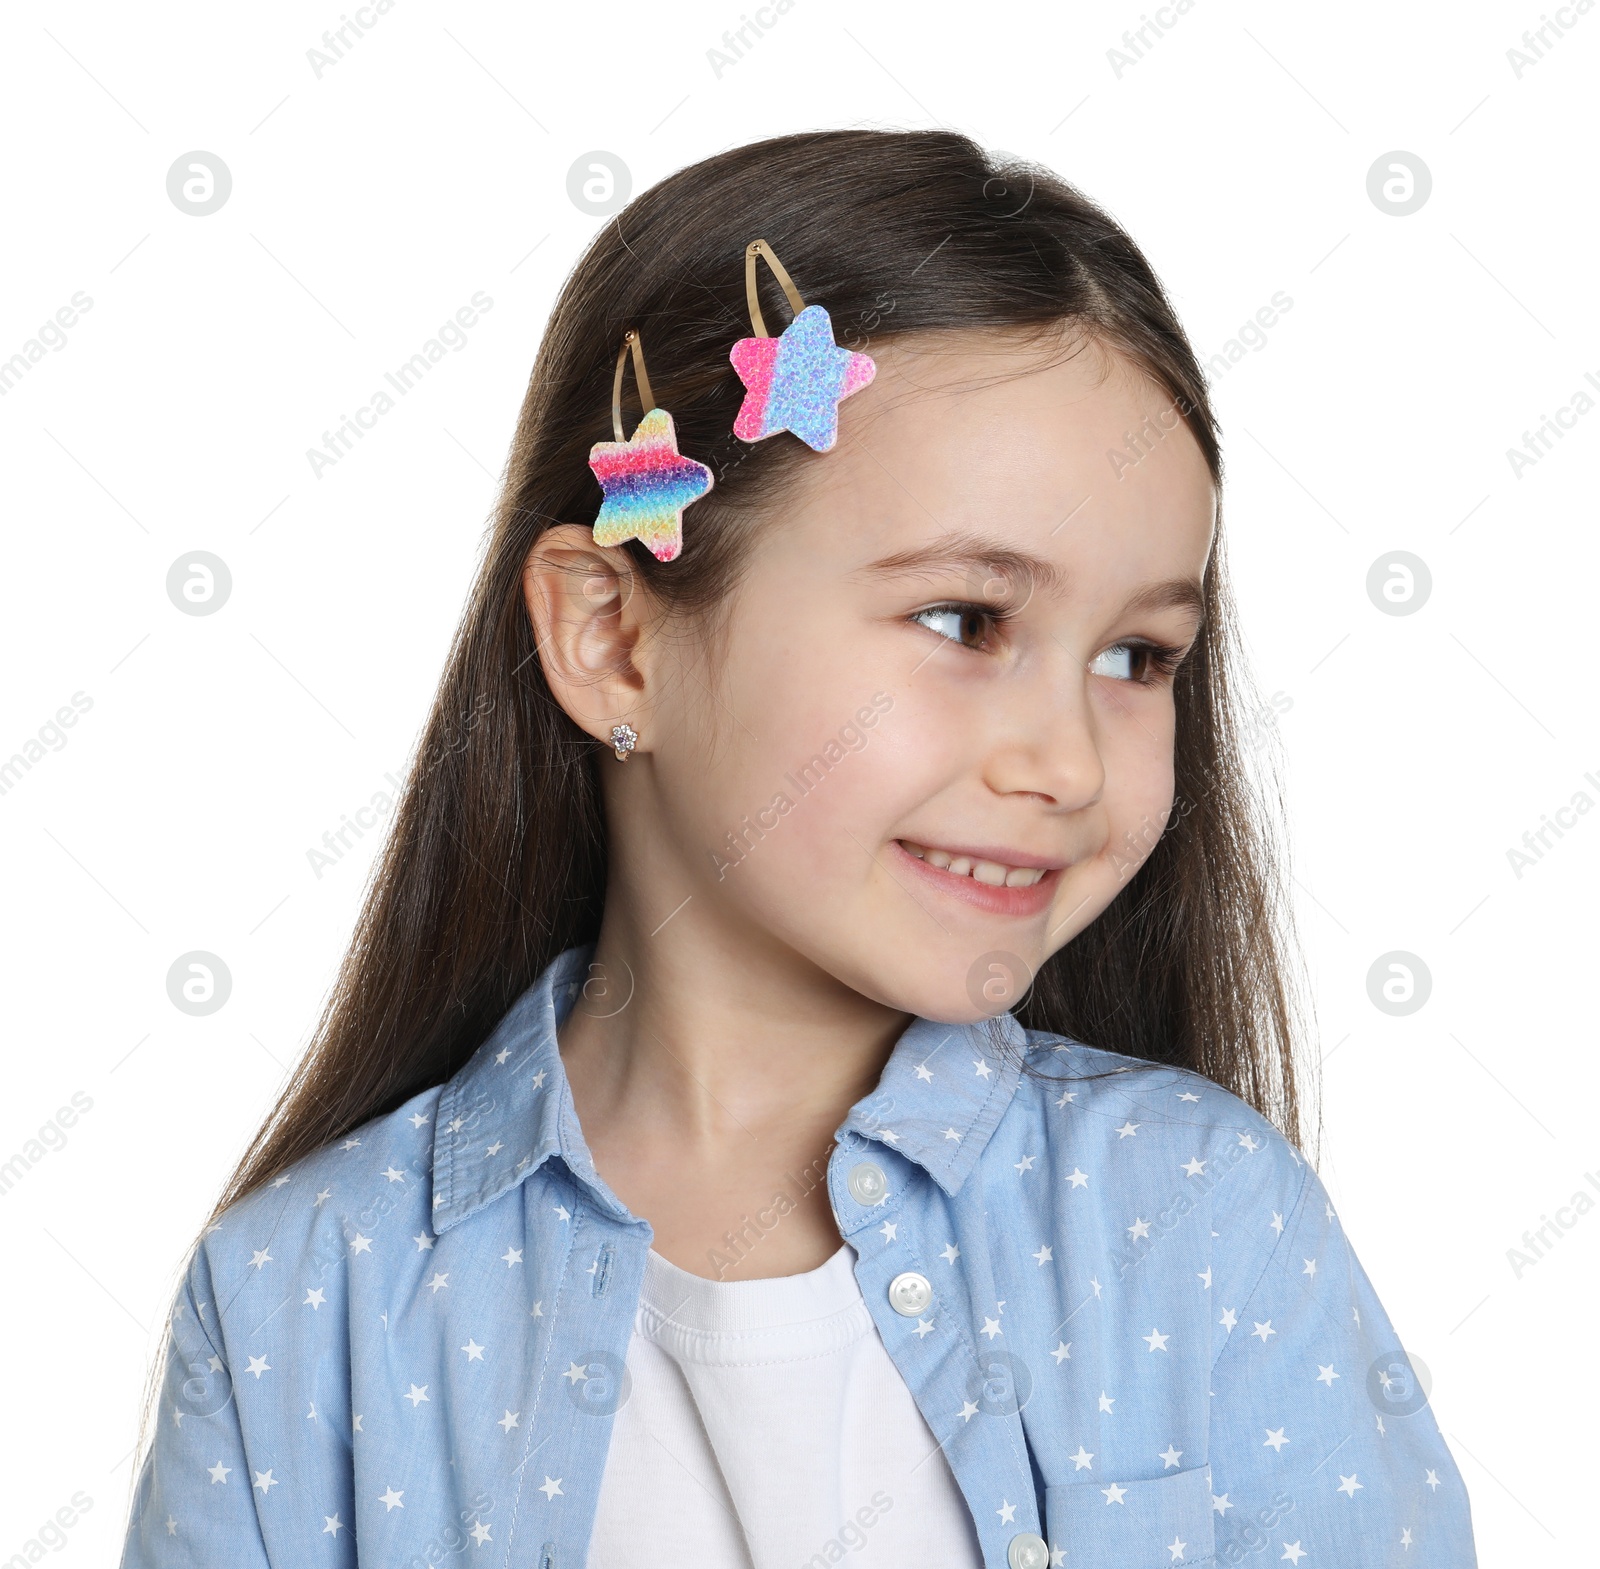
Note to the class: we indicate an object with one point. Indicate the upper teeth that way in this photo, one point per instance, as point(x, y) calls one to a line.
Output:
point(991, 872)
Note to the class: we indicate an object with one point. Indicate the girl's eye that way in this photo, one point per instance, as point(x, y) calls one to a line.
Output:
point(968, 625)
point(1145, 664)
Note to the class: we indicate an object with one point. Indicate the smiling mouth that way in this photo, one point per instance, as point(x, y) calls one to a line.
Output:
point(993, 874)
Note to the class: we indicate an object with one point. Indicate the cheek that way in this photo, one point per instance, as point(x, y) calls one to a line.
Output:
point(841, 767)
point(1138, 794)
point(849, 784)
point(845, 782)
point(799, 758)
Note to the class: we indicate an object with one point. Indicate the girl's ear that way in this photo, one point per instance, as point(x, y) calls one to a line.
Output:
point(589, 616)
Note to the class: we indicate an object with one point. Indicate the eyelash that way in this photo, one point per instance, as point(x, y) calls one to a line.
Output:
point(1163, 658)
point(995, 616)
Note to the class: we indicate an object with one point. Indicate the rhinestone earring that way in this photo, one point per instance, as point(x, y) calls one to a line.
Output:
point(624, 738)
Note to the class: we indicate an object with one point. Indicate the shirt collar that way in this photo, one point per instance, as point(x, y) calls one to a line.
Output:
point(942, 1093)
point(940, 1096)
point(510, 1108)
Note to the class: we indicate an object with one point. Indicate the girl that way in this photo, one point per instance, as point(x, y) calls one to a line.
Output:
point(812, 1079)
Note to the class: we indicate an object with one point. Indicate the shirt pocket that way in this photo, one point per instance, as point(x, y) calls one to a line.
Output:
point(1161, 1523)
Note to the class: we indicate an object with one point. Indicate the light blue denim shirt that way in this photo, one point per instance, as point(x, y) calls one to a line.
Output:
point(1122, 1301)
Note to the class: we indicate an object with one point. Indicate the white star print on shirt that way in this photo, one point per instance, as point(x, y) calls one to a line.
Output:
point(1178, 1214)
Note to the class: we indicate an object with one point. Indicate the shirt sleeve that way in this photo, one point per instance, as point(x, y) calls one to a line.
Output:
point(194, 1507)
point(1324, 1448)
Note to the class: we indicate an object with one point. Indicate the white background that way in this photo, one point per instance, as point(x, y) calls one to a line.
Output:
point(432, 162)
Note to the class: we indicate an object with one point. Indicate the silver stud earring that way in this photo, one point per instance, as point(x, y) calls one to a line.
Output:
point(624, 738)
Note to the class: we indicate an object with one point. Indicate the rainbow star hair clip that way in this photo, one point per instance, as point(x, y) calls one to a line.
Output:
point(646, 481)
point(796, 381)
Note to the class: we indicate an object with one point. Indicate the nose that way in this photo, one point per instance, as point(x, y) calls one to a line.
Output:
point(1046, 743)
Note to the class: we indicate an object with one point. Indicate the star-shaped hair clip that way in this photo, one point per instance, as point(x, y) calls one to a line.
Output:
point(646, 480)
point(796, 381)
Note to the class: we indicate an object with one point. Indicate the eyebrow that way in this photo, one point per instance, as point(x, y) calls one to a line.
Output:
point(974, 551)
point(1176, 593)
point(966, 550)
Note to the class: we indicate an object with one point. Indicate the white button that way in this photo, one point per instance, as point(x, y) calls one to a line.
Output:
point(867, 1183)
point(910, 1294)
point(1027, 1551)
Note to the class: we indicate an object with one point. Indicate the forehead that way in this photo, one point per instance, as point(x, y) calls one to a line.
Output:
point(1058, 447)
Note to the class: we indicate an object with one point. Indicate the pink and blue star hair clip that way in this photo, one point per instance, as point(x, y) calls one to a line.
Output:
point(796, 381)
point(647, 482)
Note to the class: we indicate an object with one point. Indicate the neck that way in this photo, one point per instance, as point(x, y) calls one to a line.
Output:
point(700, 1031)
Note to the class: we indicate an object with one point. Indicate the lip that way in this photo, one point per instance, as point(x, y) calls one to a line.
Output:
point(994, 901)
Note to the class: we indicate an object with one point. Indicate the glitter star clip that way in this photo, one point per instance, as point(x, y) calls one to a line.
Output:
point(647, 482)
point(796, 381)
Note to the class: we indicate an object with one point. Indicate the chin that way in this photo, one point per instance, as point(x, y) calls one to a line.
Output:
point(950, 989)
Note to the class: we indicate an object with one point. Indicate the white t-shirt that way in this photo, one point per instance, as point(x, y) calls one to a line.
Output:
point(766, 1427)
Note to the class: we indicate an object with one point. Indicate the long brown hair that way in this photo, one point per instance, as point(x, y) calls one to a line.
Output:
point(496, 859)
